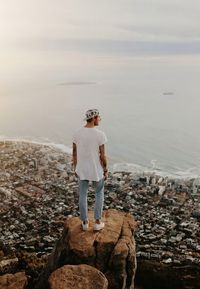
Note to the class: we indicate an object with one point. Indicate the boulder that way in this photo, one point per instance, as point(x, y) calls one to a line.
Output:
point(13, 281)
point(111, 250)
point(77, 276)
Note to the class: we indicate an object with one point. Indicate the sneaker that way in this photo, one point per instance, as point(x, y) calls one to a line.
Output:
point(85, 226)
point(98, 227)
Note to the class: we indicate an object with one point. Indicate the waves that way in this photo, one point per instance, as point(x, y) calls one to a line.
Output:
point(152, 169)
point(190, 173)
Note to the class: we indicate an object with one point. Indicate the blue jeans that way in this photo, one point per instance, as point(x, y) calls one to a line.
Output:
point(99, 199)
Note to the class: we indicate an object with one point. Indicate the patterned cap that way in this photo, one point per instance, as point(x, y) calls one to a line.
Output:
point(91, 113)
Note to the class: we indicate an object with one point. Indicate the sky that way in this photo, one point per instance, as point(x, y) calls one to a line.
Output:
point(46, 40)
point(80, 41)
point(41, 35)
point(114, 25)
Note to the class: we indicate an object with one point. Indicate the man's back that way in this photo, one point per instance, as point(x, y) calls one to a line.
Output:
point(88, 141)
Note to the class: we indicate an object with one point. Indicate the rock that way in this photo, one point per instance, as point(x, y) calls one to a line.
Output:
point(77, 276)
point(13, 281)
point(111, 250)
point(8, 265)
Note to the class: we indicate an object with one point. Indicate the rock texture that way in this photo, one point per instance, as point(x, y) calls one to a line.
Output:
point(112, 250)
point(13, 281)
point(79, 277)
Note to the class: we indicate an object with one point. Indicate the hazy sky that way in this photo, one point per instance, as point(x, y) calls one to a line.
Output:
point(63, 24)
point(52, 33)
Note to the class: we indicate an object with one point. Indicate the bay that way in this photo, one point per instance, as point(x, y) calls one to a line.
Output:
point(149, 108)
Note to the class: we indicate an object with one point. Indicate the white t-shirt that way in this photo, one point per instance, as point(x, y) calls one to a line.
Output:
point(87, 142)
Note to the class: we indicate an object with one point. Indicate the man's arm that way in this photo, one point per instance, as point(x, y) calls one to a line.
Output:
point(74, 155)
point(103, 160)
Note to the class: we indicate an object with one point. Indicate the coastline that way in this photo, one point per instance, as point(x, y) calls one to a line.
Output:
point(38, 192)
point(116, 165)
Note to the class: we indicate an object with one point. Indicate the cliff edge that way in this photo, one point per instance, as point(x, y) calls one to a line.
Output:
point(111, 250)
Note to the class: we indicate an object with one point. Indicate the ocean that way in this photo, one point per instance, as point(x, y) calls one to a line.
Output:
point(149, 108)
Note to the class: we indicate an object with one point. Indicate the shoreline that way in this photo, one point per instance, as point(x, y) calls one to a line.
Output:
point(38, 192)
point(117, 166)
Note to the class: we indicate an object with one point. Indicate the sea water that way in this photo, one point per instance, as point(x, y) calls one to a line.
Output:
point(149, 109)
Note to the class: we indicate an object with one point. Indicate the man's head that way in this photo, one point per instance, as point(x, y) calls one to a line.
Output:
point(92, 115)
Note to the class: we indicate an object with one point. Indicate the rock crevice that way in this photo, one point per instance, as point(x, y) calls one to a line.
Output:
point(111, 250)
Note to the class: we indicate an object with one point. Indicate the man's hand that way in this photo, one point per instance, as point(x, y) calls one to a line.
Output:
point(103, 161)
point(74, 155)
point(105, 174)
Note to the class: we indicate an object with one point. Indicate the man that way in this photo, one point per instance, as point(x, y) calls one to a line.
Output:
point(90, 164)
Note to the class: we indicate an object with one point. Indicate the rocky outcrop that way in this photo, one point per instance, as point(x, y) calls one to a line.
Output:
point(112, 250)
point(79, 277)
point(13, 281)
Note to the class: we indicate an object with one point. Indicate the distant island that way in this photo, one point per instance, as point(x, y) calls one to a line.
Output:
point(77, 83)
point(168, 93)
